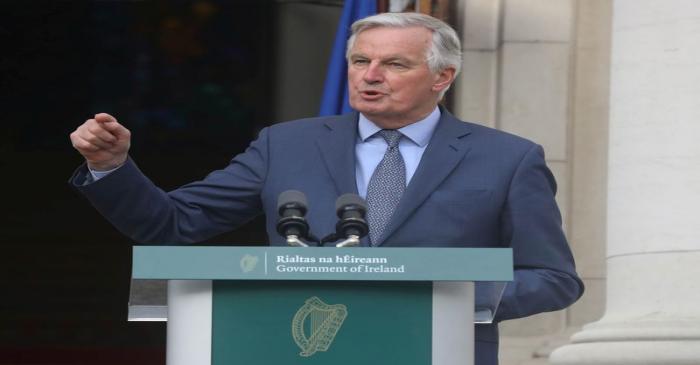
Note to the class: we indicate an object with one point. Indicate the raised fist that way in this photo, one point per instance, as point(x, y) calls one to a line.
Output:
point(102, 141)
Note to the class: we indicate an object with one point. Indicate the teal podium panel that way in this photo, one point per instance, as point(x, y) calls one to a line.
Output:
point(259, 323)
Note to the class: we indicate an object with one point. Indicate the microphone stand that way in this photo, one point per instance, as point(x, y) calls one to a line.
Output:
point(351, 241)
point(293, 240)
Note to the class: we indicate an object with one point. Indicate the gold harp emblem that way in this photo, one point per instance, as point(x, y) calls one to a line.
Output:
point(315, 325)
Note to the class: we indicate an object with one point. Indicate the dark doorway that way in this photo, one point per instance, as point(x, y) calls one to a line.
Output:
point(190, 79)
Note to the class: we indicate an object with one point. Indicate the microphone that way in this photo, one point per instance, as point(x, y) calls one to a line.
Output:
point(352, 226)
point(291, 207)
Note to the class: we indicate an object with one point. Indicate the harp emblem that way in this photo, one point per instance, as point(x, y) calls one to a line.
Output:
point(248, 263)
point(315, 325)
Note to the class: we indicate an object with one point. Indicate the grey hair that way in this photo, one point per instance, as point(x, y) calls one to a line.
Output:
point(445, 50)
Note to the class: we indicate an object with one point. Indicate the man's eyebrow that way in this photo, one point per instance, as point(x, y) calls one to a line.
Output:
point(389, 58)
point(401, 59)
point(396, 58)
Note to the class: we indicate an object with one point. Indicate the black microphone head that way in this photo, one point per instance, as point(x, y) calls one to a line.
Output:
point(291, 199)
point(351, 210)
point(291, 206)
point(351, 202)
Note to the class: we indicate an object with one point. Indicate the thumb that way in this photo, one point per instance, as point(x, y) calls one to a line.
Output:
point(110, 123)
point(105, 118)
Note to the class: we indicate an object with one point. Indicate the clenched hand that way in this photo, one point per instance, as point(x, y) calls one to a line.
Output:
point(102, 141)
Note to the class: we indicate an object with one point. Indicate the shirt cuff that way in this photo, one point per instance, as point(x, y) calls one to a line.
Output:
point(96, 175)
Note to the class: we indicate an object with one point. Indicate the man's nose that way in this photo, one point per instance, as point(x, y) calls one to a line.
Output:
point(373, 73)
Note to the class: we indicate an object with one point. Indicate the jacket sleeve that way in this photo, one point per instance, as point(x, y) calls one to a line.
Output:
point(220, 202)
point(545, 276)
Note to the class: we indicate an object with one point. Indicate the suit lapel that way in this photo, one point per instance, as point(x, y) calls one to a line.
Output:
point(445, 150)
point(337, 148)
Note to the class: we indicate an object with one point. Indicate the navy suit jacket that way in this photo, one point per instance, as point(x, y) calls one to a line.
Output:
point(474, 187)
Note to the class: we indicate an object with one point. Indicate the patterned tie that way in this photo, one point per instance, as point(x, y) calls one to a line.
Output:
point(386, 186)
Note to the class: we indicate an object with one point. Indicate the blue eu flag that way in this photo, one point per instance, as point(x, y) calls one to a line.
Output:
point(335, 90)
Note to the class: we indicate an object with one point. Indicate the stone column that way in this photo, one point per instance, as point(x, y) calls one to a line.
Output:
point(652, 312)
point(474, 94)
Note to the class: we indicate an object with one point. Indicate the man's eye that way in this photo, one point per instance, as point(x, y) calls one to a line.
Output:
point(359, 62)
point(397, 65)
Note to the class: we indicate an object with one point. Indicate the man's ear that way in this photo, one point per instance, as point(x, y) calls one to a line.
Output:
point(444, 79)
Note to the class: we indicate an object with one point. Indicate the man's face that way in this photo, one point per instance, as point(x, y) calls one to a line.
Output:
point(388, 78)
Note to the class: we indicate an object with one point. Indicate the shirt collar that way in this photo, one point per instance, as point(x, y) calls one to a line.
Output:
point(418, 132)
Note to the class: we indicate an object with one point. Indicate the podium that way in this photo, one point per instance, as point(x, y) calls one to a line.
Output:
point(322, 305)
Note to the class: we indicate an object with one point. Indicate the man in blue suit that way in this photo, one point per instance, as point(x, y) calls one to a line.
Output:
point(465, 185)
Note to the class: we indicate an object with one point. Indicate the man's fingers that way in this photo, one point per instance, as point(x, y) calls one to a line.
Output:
point(97, 141)
point(110, 123)
point(83, 145)
point(97, 130)
point(93, 133)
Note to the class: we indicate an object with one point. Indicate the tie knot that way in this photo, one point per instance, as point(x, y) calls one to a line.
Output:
point(391, 136)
